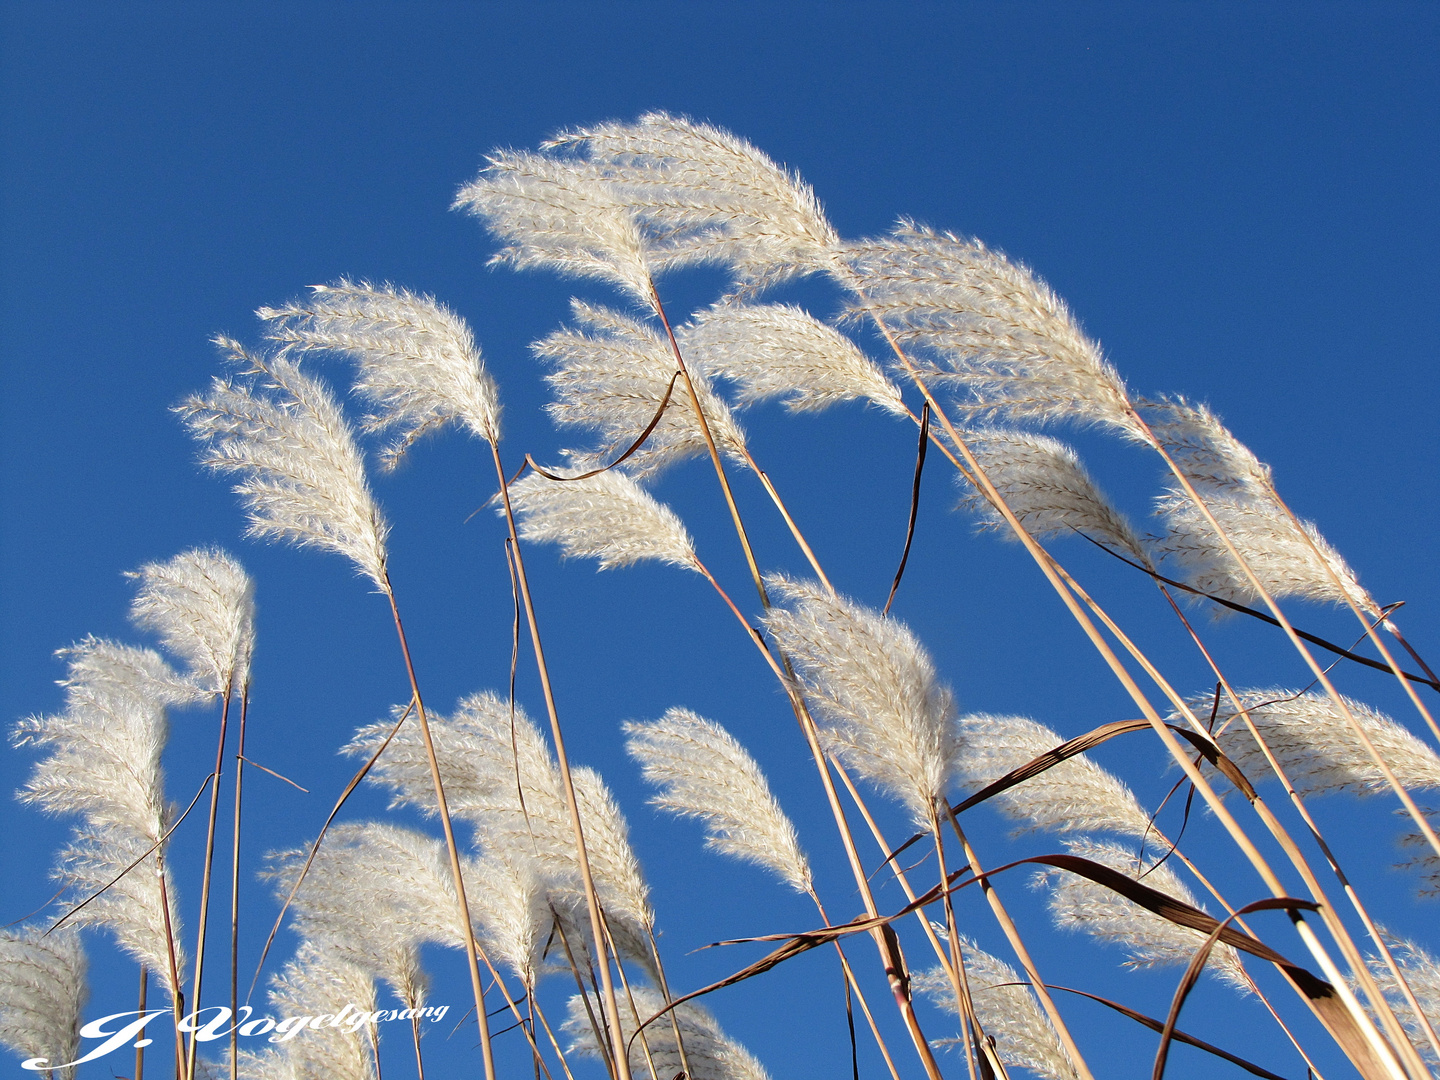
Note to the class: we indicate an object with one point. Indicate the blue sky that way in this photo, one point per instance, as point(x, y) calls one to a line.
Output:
point(1237, 200)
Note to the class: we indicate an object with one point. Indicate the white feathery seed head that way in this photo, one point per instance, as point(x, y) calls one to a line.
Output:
point(1287, 561)
point(418, 361)
point(373, 894)
point(42, 990)
point(202, 605)
point(1076, 795)
point(988, 325)
point(1007, 1010)
point(509, 900)
point(561, 214)
point(611, 373)
point(608, 517)
point(616, 870)
point(104, 764)
point(703, 772)
point(1316, 746)
point(1077, 903)
point(312, 984)
point(302, 477)
point(879, 702)
point(104, 749)
point(781, 351)
point(1207, 453)
point(501, 777)
point(705, 194)
point(1046, 487)
point(130, 908)
point(1422, 972)
point(712, 1054)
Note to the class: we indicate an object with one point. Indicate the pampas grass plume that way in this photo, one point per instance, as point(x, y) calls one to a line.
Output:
point(703, 772)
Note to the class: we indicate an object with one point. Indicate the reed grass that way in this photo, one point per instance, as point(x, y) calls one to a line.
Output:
point(534, 877)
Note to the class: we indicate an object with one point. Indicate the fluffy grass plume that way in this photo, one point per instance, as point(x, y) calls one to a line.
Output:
point(1078, 903)
point(707, 194)
point(1422, 971)
point(1044, 484)
point(610, 374)
point(301, 475)
point(201, 603)
point(987, 325)
point(781, 351)
point(1074, 796)
point(1006, 1009)
point(608, 517)
point(1289, 560)
point(313, 984)
point(559, 214)
point(418, 362)
point(713, 1055)
point(501, 778)
point(703, 772)
point(1317, 748)
point(42, 990)
point(880, 704)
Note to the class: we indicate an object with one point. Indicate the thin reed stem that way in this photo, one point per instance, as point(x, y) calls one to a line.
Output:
point(592, 901)
point(960, 979)
point(555, 1043)
point(472, 949)
point(855, 986)
point(177, 996)
point(1372, 990)
point(140, 1043)
point(1383, 1053)
point(235, 889)
point(1017, 944)
point(205, 882)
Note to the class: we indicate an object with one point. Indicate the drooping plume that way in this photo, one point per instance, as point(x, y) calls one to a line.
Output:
point(1422, 971)
point(1316, 746)
point(705, 194)
point(1290, 559)
point(202, 605)
point(1080, 904)
point(878, 700)
point(712, 1054)
point(418, 362)
point(608, 517)
point(1045, 486)
point(1007, 1011)
point(301, 475)
point(611, 374)
point(780, 351)
point(374, 894)
point(981, 322)
point(42, 990)
point(103, 764)
point(500, 776)
point(314, 984)
point(703, 772)
point(561, 214)
point(1074, 796)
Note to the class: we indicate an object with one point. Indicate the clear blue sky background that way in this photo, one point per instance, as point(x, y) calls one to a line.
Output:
point(1238, 200)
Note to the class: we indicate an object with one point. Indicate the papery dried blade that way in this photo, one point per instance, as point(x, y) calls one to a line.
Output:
point(1179, 1036)
point(1197, 965)
point(914, 504)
